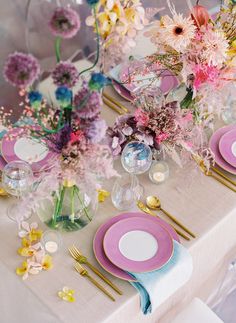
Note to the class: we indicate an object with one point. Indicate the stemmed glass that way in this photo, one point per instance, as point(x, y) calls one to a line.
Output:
point(17, 179)
point(136, 159)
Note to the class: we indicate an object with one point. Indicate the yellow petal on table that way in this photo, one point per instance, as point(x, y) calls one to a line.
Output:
point(47, 262)
point(102, 195)
point(67, 294)
point(23, 269)
point(35, 235)
point(26, 252)
point(25, 243)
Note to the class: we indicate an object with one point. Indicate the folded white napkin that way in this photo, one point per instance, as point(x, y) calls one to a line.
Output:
point(157, 286)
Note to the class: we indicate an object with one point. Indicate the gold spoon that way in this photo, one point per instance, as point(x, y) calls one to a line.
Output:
point(145, 209)
point(154, 203)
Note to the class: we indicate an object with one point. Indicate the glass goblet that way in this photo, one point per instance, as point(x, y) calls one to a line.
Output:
point(136, 159)
point(17, 179)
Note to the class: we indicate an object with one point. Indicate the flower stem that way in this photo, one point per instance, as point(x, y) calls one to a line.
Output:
point(61, 198)
point(98, 45)
point(73, 204)
point(58, 49)
point(82, 203)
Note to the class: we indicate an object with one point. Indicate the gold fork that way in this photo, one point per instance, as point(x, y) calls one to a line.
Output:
point(83, 260)
point(219, 179)
point(84, 273)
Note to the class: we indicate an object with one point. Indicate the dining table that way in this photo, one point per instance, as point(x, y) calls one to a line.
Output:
point(201, 203)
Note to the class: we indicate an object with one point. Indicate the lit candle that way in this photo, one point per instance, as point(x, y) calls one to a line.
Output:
point(159, 172)
point(158, 177)
point(51, 246)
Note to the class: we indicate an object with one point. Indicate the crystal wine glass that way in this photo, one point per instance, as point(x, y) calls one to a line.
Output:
point(136, 159)
point(17, 179)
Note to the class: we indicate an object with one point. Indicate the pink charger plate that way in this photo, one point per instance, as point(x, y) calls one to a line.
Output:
point(99, 236)
point(227, 147)
point(214, 145)
point(8, 151)
point(122, 91)
point(143, 255)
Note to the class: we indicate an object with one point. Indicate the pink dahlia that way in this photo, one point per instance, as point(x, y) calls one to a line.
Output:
point(65, 22)
point(65, 74)
point(21, 69)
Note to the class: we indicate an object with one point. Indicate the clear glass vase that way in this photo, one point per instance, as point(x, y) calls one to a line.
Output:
point(69, 209)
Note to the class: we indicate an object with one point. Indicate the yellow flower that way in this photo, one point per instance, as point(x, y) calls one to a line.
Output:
point(130, 14)
point(67, 294)
point(35, 235)
point(26, 252)
point(47, 262)
point(102, 195)
point(23, 269)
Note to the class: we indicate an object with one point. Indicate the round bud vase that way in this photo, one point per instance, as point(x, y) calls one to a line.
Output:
point(69, 209)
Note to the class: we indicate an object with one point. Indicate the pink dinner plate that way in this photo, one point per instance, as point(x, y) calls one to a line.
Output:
point(214, 145)
point(138, 245)
point(227, 147)
point(122, 91)
point(99, 236)
point(17, 145)
point(168, 81)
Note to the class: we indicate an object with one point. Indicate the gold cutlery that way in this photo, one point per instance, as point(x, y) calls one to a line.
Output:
point(112, 106)
point(154, 203)
point(145, 209)
point(83, 272)
point(76, 254)
point(223, 179)
point(211, 174)
point(108, 97)
point(216, 170)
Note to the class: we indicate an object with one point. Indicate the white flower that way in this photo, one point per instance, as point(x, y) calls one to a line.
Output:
point(177, 32)
point(215, 47)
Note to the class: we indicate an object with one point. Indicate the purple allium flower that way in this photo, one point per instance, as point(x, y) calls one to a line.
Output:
point(21, 69)
point(65, 22)
point(88, 104)
point(95, 131)
point(65, 74)
point(58, 141)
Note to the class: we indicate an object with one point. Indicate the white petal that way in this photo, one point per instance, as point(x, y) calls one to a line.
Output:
point(25, 225)
point(110, 4)
point(90, 21)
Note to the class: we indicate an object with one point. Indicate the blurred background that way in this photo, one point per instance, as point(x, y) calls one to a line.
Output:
point(23, 27)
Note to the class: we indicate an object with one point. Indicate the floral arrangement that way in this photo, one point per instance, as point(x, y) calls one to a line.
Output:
point(73, 129)
point(164, 128)
point(33, 250)
point(118, 23)
point(200, 51)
